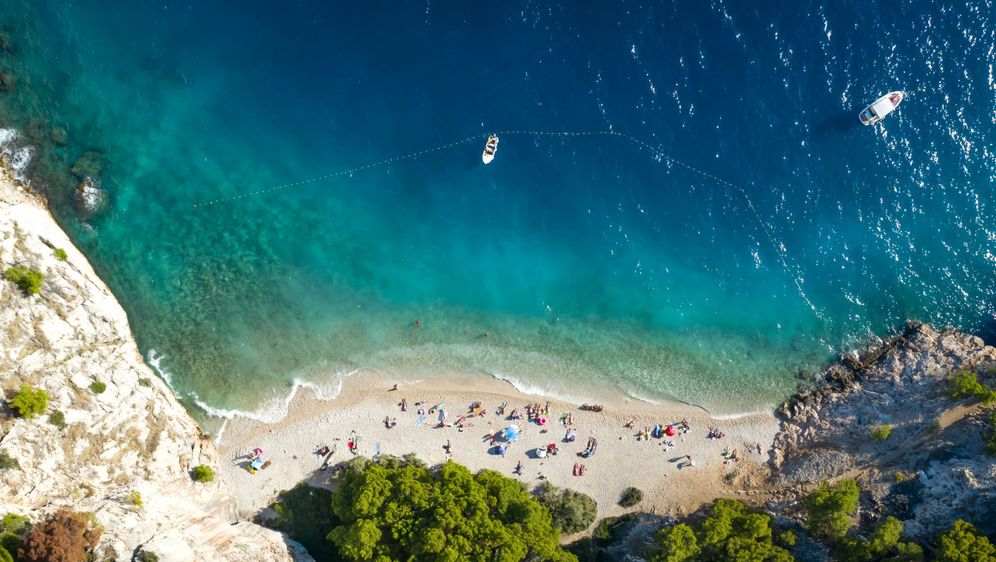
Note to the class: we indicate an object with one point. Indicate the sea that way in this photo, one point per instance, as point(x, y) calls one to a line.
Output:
point(683, 204)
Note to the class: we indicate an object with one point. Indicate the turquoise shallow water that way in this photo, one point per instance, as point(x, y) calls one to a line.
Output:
point(595, 262)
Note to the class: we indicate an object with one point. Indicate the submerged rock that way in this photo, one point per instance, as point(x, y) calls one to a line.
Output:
point(7, 80)
point(89, 165)
point(90, 198)
point(59, 136)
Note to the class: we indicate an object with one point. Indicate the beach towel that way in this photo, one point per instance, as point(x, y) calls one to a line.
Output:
point(421, 420)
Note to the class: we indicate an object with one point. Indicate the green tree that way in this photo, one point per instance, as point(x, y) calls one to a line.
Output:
point(676, 544)
point(572, 511)
point(829, 508)
point(730, 532)
point(29, 401)
point(964, 543)
point(966, 384)
point(29, 280)
point(5, 556)
point(408, 512)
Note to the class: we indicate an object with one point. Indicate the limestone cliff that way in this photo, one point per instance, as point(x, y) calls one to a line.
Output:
point(133, 437)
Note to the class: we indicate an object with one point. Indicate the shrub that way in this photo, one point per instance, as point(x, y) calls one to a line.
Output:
point(966, 384)
point(29, 280)
point(144, 382)
point(203, 473)
point(147, 556)
point(8, 462)
point(731, 531)
point(13, 523)
point(61, 254)
point(58, 419)
point(66, 537)
point(963, 542)
point(630, 497)
point(98, 387)
point(5, 555)
point(572, 511)
point(881, 432)
point(829, 508)
point(12, 528)
point(134, 498)
point(29, 401)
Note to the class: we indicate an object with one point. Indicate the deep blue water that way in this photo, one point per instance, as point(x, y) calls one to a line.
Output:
point(741, 226)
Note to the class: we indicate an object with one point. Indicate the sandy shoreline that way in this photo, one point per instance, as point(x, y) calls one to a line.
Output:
point(621, 459)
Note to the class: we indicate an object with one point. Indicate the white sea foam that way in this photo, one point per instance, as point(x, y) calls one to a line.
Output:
point(272, 411)
point(18, 157)
point(535, 390)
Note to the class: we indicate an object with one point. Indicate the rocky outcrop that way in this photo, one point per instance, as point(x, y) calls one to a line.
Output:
point(932, 468)
point(132, 437)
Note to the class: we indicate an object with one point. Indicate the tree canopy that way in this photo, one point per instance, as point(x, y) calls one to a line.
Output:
point(829, 508)
point(964, 543)
point(408, 512)
point(730, 532)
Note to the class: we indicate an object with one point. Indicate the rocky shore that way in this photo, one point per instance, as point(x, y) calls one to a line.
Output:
point(930, 468)
point(130, 438)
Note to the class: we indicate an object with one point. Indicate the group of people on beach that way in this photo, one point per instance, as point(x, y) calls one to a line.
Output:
point(536, 413)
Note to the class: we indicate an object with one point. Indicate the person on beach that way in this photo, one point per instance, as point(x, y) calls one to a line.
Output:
point(518, 468)
point(404, 404)
point(449, 448)
point(393, 388)
point(629, 423)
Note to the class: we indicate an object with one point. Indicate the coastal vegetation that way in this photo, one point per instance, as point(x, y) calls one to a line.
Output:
point(399, 509)
point(58, 419)
point(881, 432)
point(29, 280)
point(729, 531)
point(8, 462)
point(965, 384)
point(61, 254)
point(964, 543)
point(98, 387)
point(29, 401)
point(572, 511)
point(64, 537)
point(630, 497)
point(203, 473)
point(446, 513)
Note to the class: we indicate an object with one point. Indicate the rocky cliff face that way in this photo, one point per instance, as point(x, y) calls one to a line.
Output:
point(932, 468)
point(133, 437)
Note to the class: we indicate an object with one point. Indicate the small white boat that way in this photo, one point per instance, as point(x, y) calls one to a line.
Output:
point(489, 149)
point(881, 107)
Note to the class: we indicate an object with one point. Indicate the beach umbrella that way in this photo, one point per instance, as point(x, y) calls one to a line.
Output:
point(442, 416)
point(511, 433)
point(669, 431)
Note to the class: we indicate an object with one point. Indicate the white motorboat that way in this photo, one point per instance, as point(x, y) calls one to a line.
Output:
point(881, 107)
point(489, 149)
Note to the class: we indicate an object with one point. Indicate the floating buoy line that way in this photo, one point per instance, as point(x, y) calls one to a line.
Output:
point(655, 152)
